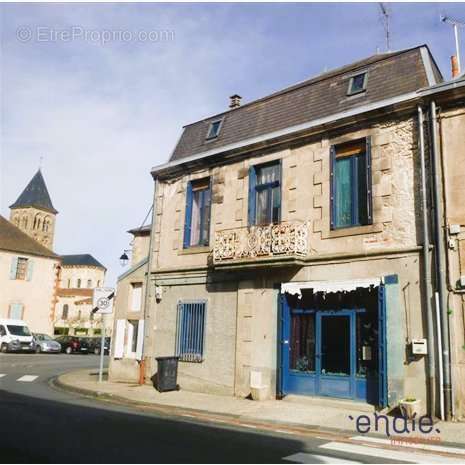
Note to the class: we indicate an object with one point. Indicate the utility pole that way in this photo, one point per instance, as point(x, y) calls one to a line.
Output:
point(455, 24)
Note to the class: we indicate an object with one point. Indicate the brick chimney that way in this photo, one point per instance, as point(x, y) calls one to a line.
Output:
point(235, 101)
point(455, 66)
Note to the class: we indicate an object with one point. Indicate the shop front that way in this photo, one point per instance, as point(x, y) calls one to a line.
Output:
point(333, 340)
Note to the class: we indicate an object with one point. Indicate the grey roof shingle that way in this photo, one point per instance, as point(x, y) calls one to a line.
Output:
point(389, 75)
point(12, 239)
point(35, 195)
point(80, 260)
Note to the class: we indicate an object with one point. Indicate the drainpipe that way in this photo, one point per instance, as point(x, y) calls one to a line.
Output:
point(142, 367)
point(440, 254)
point(427, 267)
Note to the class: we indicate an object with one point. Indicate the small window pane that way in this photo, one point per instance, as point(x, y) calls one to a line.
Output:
point(21, 269)
point(302, 349)
point(276, 204)
point(214, 129)
point(267, 174)
point(357, 83)
point(343, 194)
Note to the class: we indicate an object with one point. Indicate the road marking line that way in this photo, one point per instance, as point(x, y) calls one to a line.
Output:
point(389, 454)
point(2, 375)
point(27, 378)
point(417, 445)
point(302, 457)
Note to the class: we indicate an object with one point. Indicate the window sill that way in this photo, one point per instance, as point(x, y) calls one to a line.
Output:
point(355, 230)
point(194, 250)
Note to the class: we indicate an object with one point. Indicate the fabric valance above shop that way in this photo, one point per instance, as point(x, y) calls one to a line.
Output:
point(329, 286)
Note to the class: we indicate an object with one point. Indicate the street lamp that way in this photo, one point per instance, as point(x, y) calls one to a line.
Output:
point(124, 259)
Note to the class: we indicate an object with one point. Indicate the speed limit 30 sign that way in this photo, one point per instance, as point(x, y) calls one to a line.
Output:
point(102, 301)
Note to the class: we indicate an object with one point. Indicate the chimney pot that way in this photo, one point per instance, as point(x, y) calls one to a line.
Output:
point(455, 66)
point(235, 101)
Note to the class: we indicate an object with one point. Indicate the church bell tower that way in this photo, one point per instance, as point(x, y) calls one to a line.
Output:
point(33, 212)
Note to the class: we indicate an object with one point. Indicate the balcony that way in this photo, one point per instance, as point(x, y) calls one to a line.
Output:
point(274, 241)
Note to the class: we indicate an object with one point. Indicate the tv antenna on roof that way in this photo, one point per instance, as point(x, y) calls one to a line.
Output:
point(385, 18)
point(456, 24)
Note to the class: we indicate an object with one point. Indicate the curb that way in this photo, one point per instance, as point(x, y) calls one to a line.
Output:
point(207, 416)
point(227, 419)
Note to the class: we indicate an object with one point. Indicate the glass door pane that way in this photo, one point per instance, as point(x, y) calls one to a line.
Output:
point(302, 342)
point(335, 345)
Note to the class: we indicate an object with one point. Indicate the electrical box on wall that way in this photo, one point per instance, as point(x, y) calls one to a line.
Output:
point(419, 347)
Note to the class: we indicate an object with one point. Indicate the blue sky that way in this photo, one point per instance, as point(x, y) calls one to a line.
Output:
point(102, 114)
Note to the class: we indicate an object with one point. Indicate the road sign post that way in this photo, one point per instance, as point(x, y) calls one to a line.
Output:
point(102, 304)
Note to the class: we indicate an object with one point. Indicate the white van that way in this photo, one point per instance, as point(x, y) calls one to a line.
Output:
point(15, 336)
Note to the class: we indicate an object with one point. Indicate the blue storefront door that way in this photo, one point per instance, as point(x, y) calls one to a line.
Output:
point(319, 354)
point(335, 357)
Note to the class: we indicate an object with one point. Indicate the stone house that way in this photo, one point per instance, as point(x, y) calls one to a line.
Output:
point(128, 310)
point(287, 244)
point(28, 278)
point(79, 275)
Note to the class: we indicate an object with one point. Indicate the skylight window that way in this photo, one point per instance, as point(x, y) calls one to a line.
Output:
point(214, 129)
point(357, 84)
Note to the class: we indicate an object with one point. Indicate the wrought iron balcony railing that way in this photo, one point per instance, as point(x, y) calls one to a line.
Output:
point(288, 239)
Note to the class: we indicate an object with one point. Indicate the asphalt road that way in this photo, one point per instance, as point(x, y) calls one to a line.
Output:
point(42, 424)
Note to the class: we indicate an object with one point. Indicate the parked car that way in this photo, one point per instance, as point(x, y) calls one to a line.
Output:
point(44, 343)
point(72, 345)
point(95, 345)
point(15, 336)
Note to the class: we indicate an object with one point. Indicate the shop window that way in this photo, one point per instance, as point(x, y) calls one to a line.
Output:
point(351, 198)
point(190, 331)
point(265, 194)
point(197, 222)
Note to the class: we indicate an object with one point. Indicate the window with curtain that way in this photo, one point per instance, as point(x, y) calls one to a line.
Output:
point(197, 222)
point(265, 194)
point(351, 184)
point(16, 311)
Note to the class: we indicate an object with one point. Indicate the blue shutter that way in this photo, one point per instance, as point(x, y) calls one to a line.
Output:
point(252, 184)
point(369, 181)
point(30, 269)
point(188, 216)
point(13, 267)
point(382, 348)
point(332, 184)
point(190, 331)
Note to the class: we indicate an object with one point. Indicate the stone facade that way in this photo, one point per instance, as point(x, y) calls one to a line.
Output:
point(452, 124)
point(241, 322)
point(73, 310)
point(36, 223)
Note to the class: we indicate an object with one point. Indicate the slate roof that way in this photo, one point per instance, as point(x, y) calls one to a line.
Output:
point(80, 260)
point(35, 195)
point(389, 75)
point(12, 239)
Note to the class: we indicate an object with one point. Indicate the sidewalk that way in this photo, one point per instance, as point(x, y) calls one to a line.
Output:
point(295, 415)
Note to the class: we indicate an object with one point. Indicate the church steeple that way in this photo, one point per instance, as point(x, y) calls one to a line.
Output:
point(34, 213)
